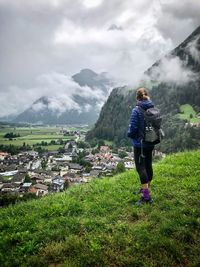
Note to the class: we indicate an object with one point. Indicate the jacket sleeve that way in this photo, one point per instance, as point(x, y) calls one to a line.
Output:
point(133, 125)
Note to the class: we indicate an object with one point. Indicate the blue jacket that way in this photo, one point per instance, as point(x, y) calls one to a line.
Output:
point(137, 123)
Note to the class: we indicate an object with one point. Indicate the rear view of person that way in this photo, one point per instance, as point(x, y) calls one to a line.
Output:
point(142, 150)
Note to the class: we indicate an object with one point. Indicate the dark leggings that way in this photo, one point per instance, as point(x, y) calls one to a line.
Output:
point(144, 165)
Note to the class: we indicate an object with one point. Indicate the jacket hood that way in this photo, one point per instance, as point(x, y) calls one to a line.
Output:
point(145, 104)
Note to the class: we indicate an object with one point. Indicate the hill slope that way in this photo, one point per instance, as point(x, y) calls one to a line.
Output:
point(98, 224)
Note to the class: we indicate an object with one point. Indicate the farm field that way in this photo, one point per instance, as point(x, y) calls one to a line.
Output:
point(34, 135)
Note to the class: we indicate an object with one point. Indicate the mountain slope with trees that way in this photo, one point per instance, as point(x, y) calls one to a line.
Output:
point(167, 95)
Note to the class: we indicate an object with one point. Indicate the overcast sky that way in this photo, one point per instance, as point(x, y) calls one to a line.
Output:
point(43, 39)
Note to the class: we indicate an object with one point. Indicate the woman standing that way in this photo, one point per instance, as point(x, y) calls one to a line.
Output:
point(142, 150)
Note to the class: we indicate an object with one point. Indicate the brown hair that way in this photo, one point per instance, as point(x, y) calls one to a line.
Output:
point(142, 94)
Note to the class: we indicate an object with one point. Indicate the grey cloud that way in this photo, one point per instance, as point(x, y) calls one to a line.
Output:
point(185, 9)
point(60, 90)
point(193, 49)
point(28, 47)
point(178, 19)
point(172, 70)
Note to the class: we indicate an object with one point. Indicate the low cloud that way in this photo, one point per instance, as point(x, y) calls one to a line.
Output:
point(171, 70)
point(39, 106)
point(56, 104)
point(42, 40)
point(193, 49)
point(57, 89)
point(88, 107)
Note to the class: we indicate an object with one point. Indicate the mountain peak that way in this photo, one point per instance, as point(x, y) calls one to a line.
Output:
point(114, 27)
point(73, 109)
point(195, 35)
point(187, 54)
point(44, 100)
point(88, 71)
point(87, 77)
point(86, 74)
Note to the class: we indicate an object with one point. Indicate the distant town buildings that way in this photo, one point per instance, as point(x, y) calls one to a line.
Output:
point(23, 173)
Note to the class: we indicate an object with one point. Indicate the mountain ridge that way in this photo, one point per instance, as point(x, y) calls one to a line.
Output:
point(178, 51)
point(56, 110)
point(168, 95)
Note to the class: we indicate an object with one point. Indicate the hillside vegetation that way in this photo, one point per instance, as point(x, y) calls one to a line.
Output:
point(98, 224)
point(188, 113)
point(167, 95)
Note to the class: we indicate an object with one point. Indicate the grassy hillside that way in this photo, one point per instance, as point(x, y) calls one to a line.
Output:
point(98, 224)
point(188, 113)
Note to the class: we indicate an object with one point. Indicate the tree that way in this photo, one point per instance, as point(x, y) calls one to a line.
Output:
point(40, 150)
point(101, 143)
point(43, 143)
point(82, 144)
point(27, 178)
point(44, 164)
point(93, 142)
point(66, 184)
point(61, 150)
point(60, 141)
point(120, 167)
point(88, 169)
point(11, 135)
point(95, 151)
point(122, 154)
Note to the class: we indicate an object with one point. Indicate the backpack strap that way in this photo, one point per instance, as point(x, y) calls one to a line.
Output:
point(144, 113)
point(141, 109)
point(142, 156)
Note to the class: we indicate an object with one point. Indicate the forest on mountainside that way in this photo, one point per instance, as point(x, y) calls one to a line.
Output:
point(114, 118)
point(170, 90)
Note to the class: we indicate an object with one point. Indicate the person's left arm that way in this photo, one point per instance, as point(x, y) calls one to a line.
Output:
point(133, 125)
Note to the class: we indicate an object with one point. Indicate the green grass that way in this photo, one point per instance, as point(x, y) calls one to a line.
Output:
point(32, 135)
point(188, 113)
point(19, 142)
point(108, 143)
point(53, 147)
point(98, 224)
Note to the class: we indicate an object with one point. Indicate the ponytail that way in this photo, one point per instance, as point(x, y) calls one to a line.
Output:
point(142, 94)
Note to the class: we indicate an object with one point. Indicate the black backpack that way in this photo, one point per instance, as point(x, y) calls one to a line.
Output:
point(153, 132)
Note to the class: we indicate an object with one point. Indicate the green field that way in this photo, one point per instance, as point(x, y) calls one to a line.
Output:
point(53, 147)
point(188, 113)
point(108, 143)
point(33, 135)
point(98, 224)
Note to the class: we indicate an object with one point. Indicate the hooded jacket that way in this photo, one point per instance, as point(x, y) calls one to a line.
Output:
point(137, 124)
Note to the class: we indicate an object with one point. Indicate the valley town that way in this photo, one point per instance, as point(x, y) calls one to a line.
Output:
point(35, 173)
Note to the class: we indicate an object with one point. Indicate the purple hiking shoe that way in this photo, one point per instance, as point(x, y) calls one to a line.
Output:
point(146, 198)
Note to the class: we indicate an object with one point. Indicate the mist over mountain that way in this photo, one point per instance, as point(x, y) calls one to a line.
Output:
point(180, 66)
point(7, 118)
point(81, 106)
point(173, 81)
